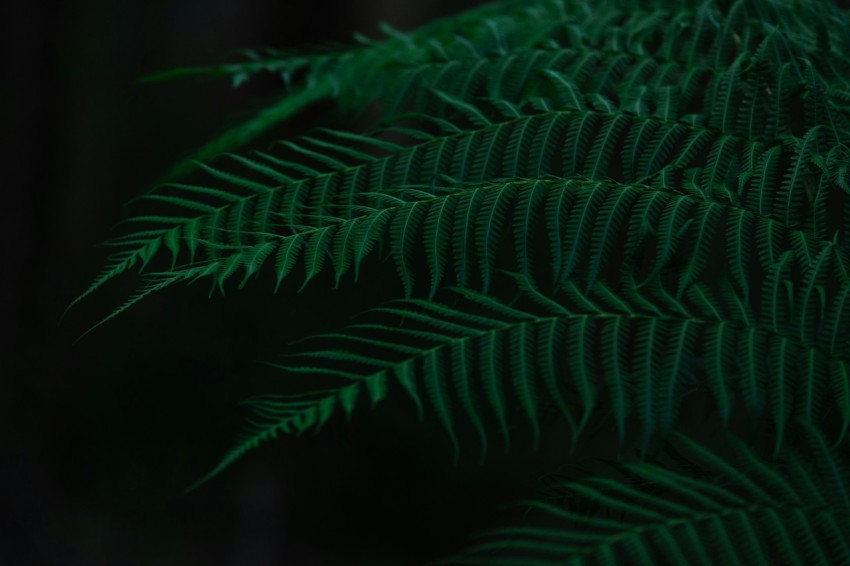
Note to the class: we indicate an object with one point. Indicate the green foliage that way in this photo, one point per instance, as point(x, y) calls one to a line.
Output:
point(738, 509)
point(593, 210)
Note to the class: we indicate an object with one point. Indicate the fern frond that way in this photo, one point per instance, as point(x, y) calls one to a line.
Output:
point(668, 188)
point(505, 52)
point(733, 509)
point(585, 219)
point(654, 346)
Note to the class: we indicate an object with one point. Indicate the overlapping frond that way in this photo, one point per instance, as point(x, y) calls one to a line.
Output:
point(738, 508)
point(708, 62)
point(669, 187)
point(269, 202)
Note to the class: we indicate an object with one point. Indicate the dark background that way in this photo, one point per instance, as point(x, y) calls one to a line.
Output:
point(100, 438)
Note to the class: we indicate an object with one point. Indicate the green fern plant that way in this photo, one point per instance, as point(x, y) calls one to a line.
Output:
point(593, 211)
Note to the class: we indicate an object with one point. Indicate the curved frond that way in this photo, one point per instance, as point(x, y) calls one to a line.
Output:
point(635, 200)
point(720, 509)
point(654, 347)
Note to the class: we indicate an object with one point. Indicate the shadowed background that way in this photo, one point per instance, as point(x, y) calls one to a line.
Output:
point(100, 438)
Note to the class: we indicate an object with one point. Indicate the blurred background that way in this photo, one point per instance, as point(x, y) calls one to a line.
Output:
point(100, 438)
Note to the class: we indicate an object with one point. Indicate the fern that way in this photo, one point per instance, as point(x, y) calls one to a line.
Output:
point(592, 212)
point(738, 509)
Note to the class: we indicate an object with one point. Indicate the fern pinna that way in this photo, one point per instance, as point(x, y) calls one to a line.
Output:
point(593, 210)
